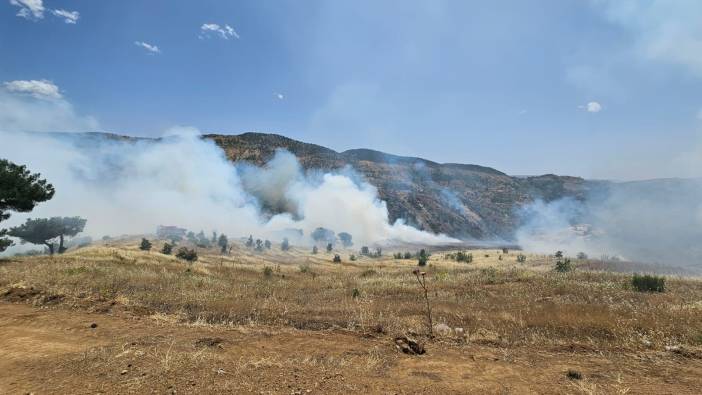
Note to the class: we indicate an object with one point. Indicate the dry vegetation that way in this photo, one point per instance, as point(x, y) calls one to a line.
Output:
point(502, 305)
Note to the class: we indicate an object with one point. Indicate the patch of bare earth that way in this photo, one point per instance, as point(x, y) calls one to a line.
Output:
point(57, 351)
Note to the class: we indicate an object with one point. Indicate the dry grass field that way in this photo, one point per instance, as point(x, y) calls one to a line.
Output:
point(293, 322)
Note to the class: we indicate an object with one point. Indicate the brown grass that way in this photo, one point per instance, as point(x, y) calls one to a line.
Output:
point(496, 301)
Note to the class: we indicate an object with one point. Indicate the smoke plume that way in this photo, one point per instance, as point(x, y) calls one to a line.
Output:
point(131, 186)
point(657, 221)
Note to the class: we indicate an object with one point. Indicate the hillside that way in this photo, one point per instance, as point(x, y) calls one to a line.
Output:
point(461, 200)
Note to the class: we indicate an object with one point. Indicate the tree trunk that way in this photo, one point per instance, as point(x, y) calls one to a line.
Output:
point(51, 248)
point(61, 250)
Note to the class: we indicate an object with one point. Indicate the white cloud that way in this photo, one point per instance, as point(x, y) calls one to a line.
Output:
point(592, 106)
point(29, 9)
point(280, 96)
point(667, 31)
point(70, 17)
point(38, 106)
point(150, 48)
point(225, 31)
point(40, 89)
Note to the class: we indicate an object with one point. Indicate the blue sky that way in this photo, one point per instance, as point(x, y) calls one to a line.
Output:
point(601, 88)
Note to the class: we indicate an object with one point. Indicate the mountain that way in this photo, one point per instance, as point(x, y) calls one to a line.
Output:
point(461, 200)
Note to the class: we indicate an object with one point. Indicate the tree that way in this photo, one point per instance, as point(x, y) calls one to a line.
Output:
point(422, 257)
point(323, 235)
point(20, 191)
point(202, 240)
point(268, 244)
point(223, 243)
point(145, 245)
point(364, 250)
point(214, 237)
point(337, 258)
point(45, 230)
point(330, 247)
point(250, 241)
point(259, 245)
point(186, 254)
point(285, 245)
point(167, 249)
point(346, 239)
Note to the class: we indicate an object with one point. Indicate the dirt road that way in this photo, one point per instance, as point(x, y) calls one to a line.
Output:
point(55, 350)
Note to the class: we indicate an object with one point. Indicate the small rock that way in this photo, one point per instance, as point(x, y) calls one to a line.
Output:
point(409, 346)
point(442, 330)
point(93, 325)
point(459, 332)
point(125, 371)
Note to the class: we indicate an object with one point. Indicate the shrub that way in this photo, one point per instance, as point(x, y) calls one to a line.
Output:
point(521, 258)
point(186, 254)
point(267, 271)
point(267, 244)
point(304, 268)
point(285, 245)
point(315, 250)
point(259, 245)
point(422, 258)
point(648, 283)
point(250, 241)
point(563, 265)
point(505, 251)
point(145, 245)
point(352, 257)
point(582, 255)
point(355, 293)
point(408, 255)
point(337, 258)
point(167, 249)
point(330, 247)
point(574, 374)
point(397, 255)
point(365, 250)
point(461, 256)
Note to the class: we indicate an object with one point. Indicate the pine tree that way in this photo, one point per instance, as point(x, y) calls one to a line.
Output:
point(167, 249)
point(145, 245)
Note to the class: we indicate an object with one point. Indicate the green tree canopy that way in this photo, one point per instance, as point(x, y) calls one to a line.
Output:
point(20, 191)
point(45, 230)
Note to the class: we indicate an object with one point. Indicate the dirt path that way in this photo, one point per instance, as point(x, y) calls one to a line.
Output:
point(57, 351)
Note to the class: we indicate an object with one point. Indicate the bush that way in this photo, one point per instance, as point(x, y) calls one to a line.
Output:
point(186, 254)
point(167, 249)
point(267, 271)
point(648, 283)
point(337, 258)
point(461, 256)
point(521, 258)
point(315, 250)
point(582, 255)
point(145, 245)
point(365, 250)
point(422, 258)
point(285, 245)
point(408, 255)
point(563, 265)
point(352, 257)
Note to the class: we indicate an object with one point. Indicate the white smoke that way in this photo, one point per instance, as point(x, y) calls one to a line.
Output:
point(654, 221)
point(131, 187)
